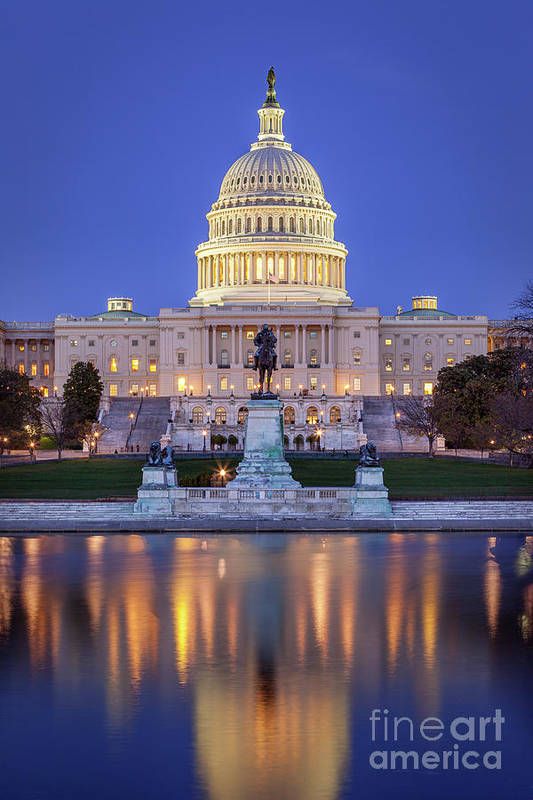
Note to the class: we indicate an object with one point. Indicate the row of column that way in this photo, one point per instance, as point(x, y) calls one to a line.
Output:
point(300, 346)
point(241, 269)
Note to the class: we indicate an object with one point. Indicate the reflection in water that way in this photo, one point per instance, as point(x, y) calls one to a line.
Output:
point(269, 639)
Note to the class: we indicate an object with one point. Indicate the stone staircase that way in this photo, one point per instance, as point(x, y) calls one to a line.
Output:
point(117, 424)
point(379, 424)
point(150, 424)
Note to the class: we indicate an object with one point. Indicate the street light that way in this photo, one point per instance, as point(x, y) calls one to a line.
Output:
point(204, 432)
point(222, 474)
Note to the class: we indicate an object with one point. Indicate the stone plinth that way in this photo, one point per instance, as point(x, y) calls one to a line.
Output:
point(264, 463)
point(153, 496)
point(371, 494)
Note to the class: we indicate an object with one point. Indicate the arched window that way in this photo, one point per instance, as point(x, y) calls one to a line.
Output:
point(318, 227)
point(259, 226)
point(230, 226)
point(216, 227)
point(299, 442)
point(239, 225)
point(312, 415)
point(311, 226)
point(281, 226)
point(224, 358)
point(289, 415)
point(334, 414)
point(302, 225)
point(270, 224)
point(223, 227)
point(220, 416)
point(198, 415)
point(293, 225)
point(248, 225)
point(242, 415)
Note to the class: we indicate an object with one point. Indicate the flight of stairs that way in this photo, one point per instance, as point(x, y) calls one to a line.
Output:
point(379, 424)
point(149, 423)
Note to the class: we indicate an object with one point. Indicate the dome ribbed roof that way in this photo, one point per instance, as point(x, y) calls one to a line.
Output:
point(268, 171)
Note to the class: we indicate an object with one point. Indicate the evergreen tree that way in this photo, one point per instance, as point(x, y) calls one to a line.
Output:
point(81, 395)
point(20, 417)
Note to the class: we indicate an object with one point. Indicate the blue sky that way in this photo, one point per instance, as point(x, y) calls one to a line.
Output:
point(119, 120)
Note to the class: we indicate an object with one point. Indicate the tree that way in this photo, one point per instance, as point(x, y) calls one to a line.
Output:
point(523, 320)
point(512, 417)
point(218, 439)
point(464, 393)
point(416, 416)
point(20, 418)
point(81, 394)
point(55, 423)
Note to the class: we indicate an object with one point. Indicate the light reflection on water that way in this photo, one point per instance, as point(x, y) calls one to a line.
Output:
point(247, 666)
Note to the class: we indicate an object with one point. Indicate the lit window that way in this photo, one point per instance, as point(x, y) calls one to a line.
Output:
point(113, 364)
point(406, 388)
point(21, 368)
point(21, 347)
point(428, 362)
point(135, 365)
point(406, 364)
point(389, 388)
point(388, 342)
point(249, 384)
point(289, 415)
point(180, 358)
point(313, 358)
point(224, 383)
point(181, 383)
point(152, 365)
point(134, 389)
point(250, 335)
point(450, 361)
point(313, 383)
point(33, 369)
point(450, 341)
point(224, 334)
point(113, 390)
point(335, 415)
point(73, 342)
point(357, 384)
point(46, 369)
point(468, 342)
point(46, 347)
point(220, 416)
point(134, 342)
point(152, 390)
point(198, 415)
point(33, 348)
point(388, 365)
point(312, 415)
point(250, 358)
point(44, 391)
point(428, 388)
point(287, 384)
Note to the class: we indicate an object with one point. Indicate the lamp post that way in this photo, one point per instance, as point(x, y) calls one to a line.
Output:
point(204, 433)
point(222, 474)
point(3, 447)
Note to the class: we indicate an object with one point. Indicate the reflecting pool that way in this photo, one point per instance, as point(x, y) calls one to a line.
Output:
point(236, 667)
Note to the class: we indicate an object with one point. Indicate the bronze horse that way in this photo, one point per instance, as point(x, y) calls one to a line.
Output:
point(265, 357)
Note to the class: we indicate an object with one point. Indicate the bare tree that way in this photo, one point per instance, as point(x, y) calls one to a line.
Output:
point(417, 417)
point(55, 423)
point(512, 419)
point(522, 323)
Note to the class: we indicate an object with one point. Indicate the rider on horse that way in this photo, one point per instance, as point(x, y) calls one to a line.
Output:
point(265, 359)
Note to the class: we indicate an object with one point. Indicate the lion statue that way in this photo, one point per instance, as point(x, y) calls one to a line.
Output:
point(155, 458)
point(368, 455)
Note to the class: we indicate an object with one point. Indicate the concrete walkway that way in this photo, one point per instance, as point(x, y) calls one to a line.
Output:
point(118, 517)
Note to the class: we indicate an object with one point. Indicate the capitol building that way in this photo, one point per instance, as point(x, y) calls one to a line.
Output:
point(270, 256)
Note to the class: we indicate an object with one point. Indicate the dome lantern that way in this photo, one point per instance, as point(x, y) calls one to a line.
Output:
point(270, 115)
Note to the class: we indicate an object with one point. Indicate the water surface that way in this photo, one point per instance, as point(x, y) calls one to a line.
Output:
point(238, 667)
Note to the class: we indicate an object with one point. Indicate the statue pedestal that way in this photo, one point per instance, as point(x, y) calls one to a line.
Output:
point(153, 496)
point(264, 465)
point(371, 494)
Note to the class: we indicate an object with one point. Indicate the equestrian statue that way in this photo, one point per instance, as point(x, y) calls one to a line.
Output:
point(265, 359)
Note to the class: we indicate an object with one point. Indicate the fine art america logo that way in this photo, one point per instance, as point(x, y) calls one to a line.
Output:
point(465, 742)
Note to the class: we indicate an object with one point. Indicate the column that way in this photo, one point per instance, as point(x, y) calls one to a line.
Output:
point(237, 344)
point(232, 357)
point(331, 345)
point(323, 354)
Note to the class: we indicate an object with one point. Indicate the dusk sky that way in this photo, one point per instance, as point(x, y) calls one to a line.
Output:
point(119, 120)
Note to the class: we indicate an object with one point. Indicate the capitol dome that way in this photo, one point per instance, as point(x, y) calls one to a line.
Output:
point(271, 230)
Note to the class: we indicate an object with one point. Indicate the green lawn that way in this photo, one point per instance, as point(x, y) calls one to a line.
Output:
point(405, 477)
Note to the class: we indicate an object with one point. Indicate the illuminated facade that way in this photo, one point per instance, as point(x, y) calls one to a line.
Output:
point(271, 255)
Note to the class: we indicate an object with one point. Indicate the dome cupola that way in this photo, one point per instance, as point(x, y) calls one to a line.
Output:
point(271, 230)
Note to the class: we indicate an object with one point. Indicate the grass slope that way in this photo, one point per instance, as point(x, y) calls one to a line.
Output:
point(407, 478)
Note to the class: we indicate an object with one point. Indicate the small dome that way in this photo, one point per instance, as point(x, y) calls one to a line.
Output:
point(271, 171)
